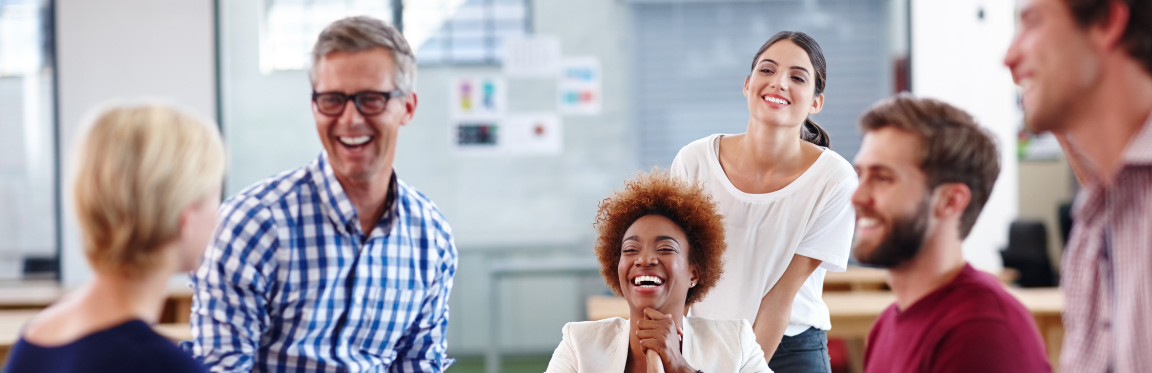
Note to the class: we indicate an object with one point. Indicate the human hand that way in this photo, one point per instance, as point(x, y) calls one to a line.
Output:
point(658, 332)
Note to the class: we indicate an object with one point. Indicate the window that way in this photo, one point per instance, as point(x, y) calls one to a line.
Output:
point(290, 27)
point(463, 31)
point(440, 31)
point(28, 169)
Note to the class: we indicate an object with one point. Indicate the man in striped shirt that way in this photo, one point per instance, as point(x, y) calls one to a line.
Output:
point(1085, 67)
point(337, 266)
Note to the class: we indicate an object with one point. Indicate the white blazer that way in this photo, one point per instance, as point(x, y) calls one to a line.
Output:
point(712, 346)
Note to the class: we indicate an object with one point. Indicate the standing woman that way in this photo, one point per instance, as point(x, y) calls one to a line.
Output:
point(146, 191)
point(786, 201)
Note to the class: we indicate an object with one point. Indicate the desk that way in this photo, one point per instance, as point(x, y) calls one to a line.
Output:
point(853, 313)
point(13, 321)
point(856, 279)
point(37, 295)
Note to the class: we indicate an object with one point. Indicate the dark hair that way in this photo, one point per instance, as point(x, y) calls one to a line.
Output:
point(953, 148)
point(1137, 38)
point(684, 203)
point(811, 131)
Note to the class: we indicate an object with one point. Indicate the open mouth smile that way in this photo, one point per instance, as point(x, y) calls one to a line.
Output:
point(776, 100)
point(647, 281)
point(354, 141)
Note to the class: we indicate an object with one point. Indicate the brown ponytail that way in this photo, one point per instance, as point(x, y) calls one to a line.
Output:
point(810, 131)
point(813, 133)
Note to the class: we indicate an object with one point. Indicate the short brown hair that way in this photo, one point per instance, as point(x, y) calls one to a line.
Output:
point(953, 148)
point(138, 166)
point(1137, 38)
point(685, 204)
point(361, 33)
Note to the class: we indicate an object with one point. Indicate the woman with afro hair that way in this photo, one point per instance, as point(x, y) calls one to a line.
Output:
point(660, 246)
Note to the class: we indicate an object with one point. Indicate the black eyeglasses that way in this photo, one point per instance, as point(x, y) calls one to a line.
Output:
point(367, 102)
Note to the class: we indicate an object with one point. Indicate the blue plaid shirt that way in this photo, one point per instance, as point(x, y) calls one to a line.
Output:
point(291, 283)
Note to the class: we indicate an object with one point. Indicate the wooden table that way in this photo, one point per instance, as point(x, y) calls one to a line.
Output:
point(35, 295)
point(856, 279)
point(853, 314)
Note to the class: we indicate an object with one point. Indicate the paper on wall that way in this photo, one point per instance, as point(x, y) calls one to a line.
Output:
point(578, 89)
point(531, 56)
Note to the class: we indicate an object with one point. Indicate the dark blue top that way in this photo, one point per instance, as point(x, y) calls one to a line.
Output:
point(128, 347)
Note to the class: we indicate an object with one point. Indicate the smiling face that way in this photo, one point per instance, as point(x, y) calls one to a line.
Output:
point(1053, 62)
point(781, 89)
point(361, 147)
point(654, 269)
point(892, 203)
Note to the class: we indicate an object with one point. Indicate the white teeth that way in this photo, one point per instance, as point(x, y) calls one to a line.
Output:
point(653, 279)
point(353, 141)
point(775, 100)
point(865, 222)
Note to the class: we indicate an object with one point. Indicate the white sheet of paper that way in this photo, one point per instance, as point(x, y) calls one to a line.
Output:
point(531, 56)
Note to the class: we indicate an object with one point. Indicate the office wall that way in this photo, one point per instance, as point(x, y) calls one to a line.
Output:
point(957, 49)
point(125, 49)
point(498, 206)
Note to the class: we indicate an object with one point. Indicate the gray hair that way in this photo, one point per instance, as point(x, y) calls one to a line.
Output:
point(360, 33)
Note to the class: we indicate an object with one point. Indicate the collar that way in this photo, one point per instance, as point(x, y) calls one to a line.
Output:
point(1139, 151)
point(339, 208)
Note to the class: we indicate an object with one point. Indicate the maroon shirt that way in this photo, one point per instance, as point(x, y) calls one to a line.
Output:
point(969, 325)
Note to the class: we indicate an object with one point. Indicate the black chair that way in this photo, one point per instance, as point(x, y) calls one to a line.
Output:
point(1028, 253)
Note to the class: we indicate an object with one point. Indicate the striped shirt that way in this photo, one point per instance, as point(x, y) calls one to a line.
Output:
point(291, 283)
point(1108, 270)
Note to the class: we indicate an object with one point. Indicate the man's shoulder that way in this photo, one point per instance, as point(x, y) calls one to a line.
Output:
point(269, 192)
point(979, 298)
point(416, 203)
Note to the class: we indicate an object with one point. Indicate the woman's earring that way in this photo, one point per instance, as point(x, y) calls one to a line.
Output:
point(693, 285)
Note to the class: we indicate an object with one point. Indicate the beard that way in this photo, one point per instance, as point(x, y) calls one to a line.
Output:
point(902, 242)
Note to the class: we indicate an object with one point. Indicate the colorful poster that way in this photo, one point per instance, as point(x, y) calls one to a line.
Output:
point(477, 97)
point(514, 134)
point(579, 86)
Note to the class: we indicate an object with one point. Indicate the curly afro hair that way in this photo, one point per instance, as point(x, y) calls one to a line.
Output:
point(686, 204)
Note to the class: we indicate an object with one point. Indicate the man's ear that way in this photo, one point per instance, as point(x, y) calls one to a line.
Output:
point(409, 108)
point(817, 105)
point(952, 199)
point(1108, 32)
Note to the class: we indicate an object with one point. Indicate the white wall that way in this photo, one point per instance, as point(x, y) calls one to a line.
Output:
point(125, 49)
point(956, 58)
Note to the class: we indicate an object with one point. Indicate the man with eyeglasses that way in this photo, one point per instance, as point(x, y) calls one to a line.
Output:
point(338, 266)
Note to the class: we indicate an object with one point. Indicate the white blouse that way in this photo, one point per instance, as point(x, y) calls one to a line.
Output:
point(713, 346)
point(812, 216)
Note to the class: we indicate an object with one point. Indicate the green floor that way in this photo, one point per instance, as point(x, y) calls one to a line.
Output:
point(512, 364)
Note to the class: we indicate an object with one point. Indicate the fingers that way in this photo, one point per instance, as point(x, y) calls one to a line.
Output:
point(651, 314)
point(654, 345)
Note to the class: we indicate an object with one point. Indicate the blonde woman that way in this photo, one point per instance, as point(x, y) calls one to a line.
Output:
point(146, 190)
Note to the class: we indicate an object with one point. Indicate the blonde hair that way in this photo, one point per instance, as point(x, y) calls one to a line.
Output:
point(138, 166)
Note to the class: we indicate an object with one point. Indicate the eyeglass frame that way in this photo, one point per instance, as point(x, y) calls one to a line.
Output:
point(355, 97)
